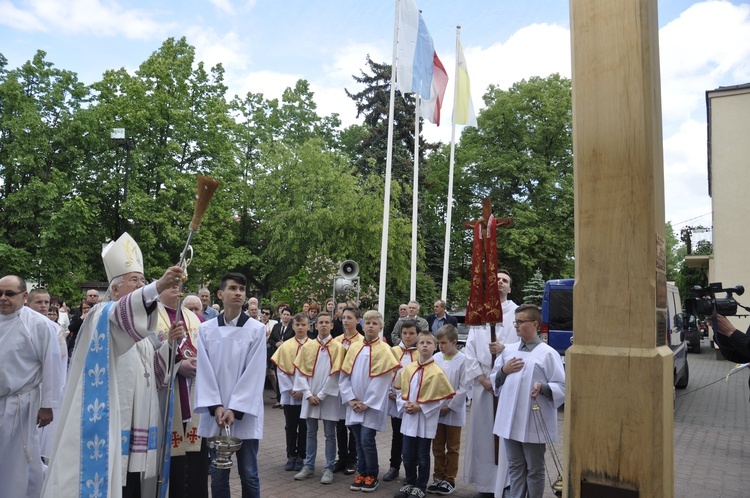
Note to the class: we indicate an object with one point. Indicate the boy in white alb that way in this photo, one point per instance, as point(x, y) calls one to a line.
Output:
point(423, 387)
point(526, 373)
point(291, 399)
point(363, 385)
point(405, 353)
point(317, 378)
point(447, 442)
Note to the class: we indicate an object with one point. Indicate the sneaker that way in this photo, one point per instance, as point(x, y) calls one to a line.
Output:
point(338, 466)
point(417, 492)
point(433, 488)
point(358, 482)
point(371, 484)
point(289, 465)
point(444, 488)
point(299, 464)
point(327, 477)
point(351, 468)
point(391, 474)
point(404, 492)
point(304, 474)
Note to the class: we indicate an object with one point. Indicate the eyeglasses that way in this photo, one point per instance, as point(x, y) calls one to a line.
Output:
point(268, 313)
point(9, 293)
point(518, 323)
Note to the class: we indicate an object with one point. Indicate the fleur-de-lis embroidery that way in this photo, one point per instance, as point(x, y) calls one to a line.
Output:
point(96, 445)
point(94, 484)
point(95, 408)
point(97, 373)
point(96, 345)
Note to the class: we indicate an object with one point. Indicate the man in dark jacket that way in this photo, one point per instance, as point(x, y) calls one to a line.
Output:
point(440, 317)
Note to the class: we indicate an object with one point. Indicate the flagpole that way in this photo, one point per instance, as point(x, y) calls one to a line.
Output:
point(449, 202)
point(388, 164)
point(414, 201)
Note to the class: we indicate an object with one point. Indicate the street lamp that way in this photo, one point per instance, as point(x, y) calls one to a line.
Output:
point(118, 136)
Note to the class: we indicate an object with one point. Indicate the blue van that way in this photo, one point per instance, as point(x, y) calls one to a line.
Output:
point(557, 314)
point(557, 324)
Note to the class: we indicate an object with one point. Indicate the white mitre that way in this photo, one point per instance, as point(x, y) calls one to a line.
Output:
point(122, 256)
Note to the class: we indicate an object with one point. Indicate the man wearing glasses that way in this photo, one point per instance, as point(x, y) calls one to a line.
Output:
point(528, 374)
point(30, 387)
point(106, 436)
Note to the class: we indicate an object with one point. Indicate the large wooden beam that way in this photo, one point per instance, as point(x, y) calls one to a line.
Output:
point(619, 404)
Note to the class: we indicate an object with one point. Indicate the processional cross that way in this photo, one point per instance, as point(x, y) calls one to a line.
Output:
point(484, 299)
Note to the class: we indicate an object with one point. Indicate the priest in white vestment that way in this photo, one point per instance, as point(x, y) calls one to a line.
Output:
point(229, 384)
point(87, 456)
point(479, 460)
point(525, 373)
point(30, 385)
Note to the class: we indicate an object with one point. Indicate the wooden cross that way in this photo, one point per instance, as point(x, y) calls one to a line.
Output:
point(489, 278)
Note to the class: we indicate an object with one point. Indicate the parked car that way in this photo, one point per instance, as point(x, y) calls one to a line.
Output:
point(557, 314)
point(693, 334)
point(557, 324)
point(463, 329)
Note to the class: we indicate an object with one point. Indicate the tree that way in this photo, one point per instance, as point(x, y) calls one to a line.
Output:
point(533, 293)
point(521, 156)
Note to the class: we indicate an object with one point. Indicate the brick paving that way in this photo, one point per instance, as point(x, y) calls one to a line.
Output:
point(711, 438)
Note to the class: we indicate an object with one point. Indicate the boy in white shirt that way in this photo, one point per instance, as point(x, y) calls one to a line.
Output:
point(447, 442)
point(423, 387)
point(296, 427)
point(317, 378)
point(363, 385)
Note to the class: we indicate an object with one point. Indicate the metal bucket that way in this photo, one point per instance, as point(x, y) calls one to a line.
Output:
point(224, 446)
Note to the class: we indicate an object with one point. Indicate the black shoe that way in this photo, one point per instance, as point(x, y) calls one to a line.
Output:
point(370, 484)
point(290, 463)
point(338, 466)
point(351, 468)
point(484, 495)
point(391, 474)
point(299, 464)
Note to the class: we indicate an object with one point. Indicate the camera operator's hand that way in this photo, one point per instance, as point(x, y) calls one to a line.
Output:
point(723, 325)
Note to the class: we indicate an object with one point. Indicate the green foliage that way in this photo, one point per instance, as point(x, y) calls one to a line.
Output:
point(533, 292)
point(294, 188)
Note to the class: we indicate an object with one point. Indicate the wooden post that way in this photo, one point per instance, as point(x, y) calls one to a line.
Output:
point(619, 402)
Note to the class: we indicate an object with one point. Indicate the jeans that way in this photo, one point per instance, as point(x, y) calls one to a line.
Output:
point(247, 466)
point(417, 461)
point(525, 468)
point(367, 450)
point(329, 427)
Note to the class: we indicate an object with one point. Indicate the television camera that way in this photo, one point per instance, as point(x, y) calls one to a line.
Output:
point(704, 300)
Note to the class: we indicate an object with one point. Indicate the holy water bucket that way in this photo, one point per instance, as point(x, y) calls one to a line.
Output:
point(224, 446)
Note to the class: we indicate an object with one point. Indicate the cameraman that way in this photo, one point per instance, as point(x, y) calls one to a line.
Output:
point(734, 345)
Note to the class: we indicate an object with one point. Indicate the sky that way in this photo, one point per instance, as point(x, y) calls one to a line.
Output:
point(266, 46)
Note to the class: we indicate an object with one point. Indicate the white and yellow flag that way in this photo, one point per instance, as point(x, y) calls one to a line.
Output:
point(463, 109)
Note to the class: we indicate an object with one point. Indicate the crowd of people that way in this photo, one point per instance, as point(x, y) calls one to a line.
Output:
point(140, 382)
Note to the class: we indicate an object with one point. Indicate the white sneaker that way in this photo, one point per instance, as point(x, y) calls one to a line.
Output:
point(327, 477)
point(303, 474)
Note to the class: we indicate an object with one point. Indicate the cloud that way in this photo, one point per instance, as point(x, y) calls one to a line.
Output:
point(83, 17)
point(212, 48)
point(223, 5)
point(17, 18)
point(706, 47)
